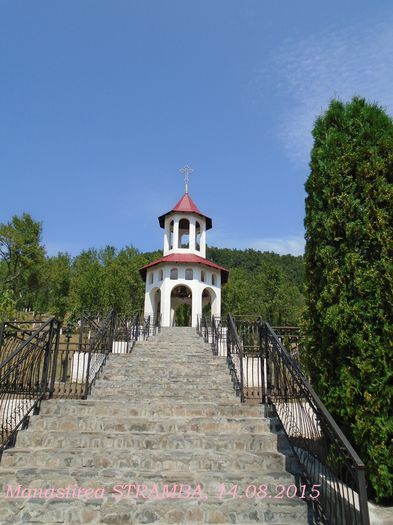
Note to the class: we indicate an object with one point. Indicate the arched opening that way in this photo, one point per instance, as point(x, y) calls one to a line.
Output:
point(181, 306)
point(174, 273)
point(155, 302)
point(171, 235)
point(189, 274)
point(213, 280)
point(208, 302)
point(198, 236)
point(184, 233)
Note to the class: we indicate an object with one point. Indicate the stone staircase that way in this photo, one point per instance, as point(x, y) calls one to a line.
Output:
point(162, 439)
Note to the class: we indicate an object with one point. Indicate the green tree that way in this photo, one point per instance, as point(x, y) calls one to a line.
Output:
point(58, 278)
point(22, 257)
point(86, 286)
point(349, 278)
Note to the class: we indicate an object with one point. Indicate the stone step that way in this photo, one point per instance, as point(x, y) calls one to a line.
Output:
point(144, 424)
point(142, 394)
point(164, 459)
point(180, 387)
point(108, 477)
point(149, 408)
point(109, 511)
point(148, 440)
point(167, 362)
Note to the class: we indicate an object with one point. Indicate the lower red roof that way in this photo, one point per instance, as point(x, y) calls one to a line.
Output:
point(187, 258)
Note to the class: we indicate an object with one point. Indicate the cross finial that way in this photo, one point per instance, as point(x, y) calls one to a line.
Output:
point(186, 172)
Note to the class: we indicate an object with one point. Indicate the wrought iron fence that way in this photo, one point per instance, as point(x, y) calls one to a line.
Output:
point(25, 378)
point(291, 338)
point(327, 459)
point(263, 369)
point(235, 357)
point(12, 334)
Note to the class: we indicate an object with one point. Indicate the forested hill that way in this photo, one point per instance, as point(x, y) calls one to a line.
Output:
point(266, 283)
point(97, 280)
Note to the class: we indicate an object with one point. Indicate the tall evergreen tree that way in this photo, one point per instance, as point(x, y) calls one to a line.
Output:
point(349, 278)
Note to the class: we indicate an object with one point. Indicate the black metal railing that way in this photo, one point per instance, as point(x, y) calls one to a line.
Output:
point(81, 355)
point(235, 357)
point(12, 334)
point(327, 460)
point(292, 339)
point(333, 474)
point(25, 379)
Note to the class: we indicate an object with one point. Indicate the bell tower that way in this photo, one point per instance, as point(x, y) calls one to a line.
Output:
point(183, 284)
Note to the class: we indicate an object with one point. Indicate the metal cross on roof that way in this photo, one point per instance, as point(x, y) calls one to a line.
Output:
point(186, 171)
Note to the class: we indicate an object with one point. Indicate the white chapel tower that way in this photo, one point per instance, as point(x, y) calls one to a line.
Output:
point(183, 276)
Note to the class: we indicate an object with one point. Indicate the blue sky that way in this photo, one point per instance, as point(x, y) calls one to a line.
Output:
point(102, 101)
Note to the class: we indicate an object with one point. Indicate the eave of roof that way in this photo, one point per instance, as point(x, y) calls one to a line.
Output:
point(185, 258)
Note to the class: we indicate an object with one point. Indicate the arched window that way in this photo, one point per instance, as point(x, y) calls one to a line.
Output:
point(161, 275)
point(184, 233)
point(197, 236)
point(174, 273)
point(171, 235)
point(213, 279)
point(203, 276)
point(151, 278)
point(189, 274)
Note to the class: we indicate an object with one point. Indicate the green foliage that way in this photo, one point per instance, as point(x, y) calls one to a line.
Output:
point(21, 259)
point(7, 305)
point(262, 283)
point(349, 276)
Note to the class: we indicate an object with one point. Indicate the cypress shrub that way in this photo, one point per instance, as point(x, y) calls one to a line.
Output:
point(349, 279)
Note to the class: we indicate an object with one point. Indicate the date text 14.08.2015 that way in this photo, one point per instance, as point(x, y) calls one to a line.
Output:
point(262, 491)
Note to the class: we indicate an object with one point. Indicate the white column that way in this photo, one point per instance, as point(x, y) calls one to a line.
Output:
point(203, 238)
point(176, 233)
point(167, 235)
point(192, 234)
point(166, 304)
point(148, 304)
point(196, 304)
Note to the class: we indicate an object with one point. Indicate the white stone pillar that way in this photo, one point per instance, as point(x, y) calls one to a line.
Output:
point(167, 235)
point(149, 309)
point(176, 233)
point(192, 234)
point(166, 304)
point(196, 305)
point(203, 238)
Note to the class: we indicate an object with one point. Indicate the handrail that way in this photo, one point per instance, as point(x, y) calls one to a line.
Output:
point(235, 357)
point(325, 455)
point(25, 379)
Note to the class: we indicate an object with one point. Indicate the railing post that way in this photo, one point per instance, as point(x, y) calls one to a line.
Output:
point(45, 368)
point(54, 362)
point(2, 326)
point(363, 500)
point(268, 367)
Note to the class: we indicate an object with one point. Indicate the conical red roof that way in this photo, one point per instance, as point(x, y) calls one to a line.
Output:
point(185, 205)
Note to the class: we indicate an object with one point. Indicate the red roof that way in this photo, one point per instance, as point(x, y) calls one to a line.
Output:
point(187, 258)
point(186, 205)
